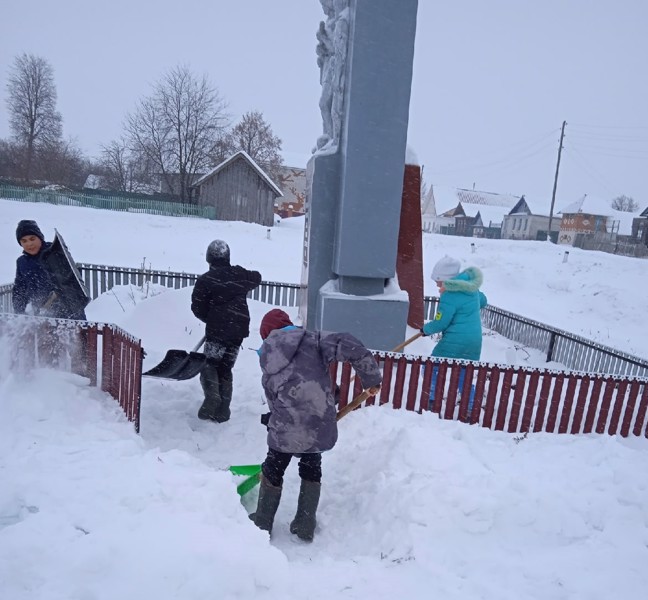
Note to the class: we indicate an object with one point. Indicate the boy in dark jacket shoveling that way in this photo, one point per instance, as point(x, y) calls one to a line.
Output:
point(219, 300)
point(297, 383)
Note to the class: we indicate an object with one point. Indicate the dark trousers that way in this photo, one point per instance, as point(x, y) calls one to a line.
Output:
point(276, 463)
point(216, 378)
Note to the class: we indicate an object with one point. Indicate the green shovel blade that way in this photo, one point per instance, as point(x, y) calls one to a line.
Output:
point(252, 474)
point(245, 469)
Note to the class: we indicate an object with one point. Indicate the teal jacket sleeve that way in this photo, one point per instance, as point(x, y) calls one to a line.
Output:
point(483, 301)
point(444, 314)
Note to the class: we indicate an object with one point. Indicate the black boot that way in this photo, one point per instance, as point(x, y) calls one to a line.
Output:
point(303, 525)
point(210, 383)
point(222, 413)
point(269, 497)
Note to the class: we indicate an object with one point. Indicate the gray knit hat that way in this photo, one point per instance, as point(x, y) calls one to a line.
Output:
point(446, 268)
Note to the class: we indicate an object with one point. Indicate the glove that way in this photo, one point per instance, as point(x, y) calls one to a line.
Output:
point(265, 419)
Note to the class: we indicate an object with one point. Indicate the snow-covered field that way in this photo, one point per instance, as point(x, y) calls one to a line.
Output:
point(411, 505)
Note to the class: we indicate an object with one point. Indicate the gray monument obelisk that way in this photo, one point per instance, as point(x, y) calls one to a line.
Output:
point(355, 177)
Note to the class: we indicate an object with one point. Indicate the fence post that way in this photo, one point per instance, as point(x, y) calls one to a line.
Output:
point(552, 342)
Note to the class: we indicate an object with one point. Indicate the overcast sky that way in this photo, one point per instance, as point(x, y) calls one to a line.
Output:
point(493, 80)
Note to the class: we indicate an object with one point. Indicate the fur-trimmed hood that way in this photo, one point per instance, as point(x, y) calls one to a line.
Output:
point(467, 281)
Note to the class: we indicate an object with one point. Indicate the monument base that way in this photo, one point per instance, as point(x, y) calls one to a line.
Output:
point(378, 321)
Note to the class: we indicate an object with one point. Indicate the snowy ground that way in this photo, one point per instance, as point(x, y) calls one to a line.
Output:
point(411, 505)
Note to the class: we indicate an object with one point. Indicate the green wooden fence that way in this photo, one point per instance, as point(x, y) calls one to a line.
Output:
point(106, 202)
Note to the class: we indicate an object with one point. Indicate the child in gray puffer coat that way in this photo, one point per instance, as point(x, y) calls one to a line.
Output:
point(302, 422)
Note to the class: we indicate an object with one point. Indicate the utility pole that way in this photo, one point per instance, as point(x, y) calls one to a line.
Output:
point(553, 195)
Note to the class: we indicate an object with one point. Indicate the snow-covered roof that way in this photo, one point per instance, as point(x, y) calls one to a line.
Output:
point(590, 205)
point(487, 198)
point(249, 159)
point(447, 198)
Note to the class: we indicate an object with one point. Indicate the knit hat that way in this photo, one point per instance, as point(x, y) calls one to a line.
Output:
point(446, 268)
point(274, 319)
point(27, 227)
point(218, 252)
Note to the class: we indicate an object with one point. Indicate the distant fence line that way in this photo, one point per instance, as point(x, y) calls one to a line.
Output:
point(574, 352)
point(107, 202)
point(623, 245)
point(100, 279)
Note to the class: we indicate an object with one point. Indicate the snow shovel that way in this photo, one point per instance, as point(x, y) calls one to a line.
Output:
point(179, 364)
point(252, 475)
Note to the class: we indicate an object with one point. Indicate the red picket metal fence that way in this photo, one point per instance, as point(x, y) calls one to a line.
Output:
point(107, 355)
point(505, 398)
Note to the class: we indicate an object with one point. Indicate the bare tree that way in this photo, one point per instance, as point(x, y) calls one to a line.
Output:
point(10, 159)
point(178, 127)
point(255, 136)
point(624, 204)
point(31, 100)
point(114, 162)
point(61, 162)
point(124, 170)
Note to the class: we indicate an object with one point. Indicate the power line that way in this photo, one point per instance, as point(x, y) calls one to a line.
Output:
point(577, 157)
point(608, 137)
point(504, 162)
point(610, 126)
point(477, 165)
point(643, 157)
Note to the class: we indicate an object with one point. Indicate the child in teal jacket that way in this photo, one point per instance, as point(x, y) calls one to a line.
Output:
point(457, 316)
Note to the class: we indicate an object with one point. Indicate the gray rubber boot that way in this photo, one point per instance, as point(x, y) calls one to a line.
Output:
point(269, 497)
point(210, 383)
point(304, 523)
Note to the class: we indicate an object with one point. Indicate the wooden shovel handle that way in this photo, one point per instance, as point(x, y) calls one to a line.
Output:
point(406, 342)
point(357, 401)
point(398, 348)
point(362, 396)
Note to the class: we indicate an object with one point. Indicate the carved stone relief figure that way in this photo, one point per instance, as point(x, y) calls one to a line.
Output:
point(332, 37)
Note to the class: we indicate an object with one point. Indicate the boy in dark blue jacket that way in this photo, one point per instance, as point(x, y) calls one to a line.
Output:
point(35, 286)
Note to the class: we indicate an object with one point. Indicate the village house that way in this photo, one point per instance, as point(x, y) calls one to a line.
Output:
point(640, 227)
point(522, 224)
point(588, 216)
point(292, 182)
point(591, 223)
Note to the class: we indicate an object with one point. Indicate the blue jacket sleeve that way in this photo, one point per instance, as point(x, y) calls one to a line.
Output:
point(19, 295)
point(444, 314)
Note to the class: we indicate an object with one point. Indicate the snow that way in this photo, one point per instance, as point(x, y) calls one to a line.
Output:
point(411, 158)
point(411, 505)
point(392, 291)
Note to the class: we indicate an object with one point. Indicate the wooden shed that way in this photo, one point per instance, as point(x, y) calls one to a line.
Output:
point(239, 190)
